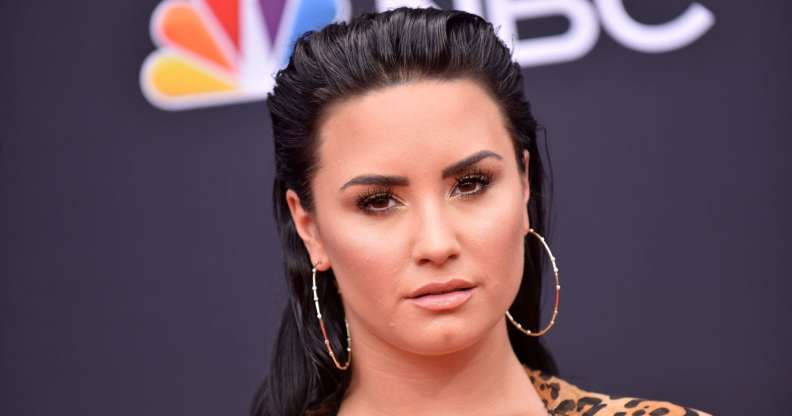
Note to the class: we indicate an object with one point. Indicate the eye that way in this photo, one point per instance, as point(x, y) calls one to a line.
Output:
point(376, 201)
point(471, 184)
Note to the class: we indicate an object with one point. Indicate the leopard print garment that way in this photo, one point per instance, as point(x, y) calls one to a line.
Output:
point(564, 399)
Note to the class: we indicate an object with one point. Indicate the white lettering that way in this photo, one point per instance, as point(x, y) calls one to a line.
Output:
point(573, 44)
point(583, 26)
point(678, 33)
point(383, 5)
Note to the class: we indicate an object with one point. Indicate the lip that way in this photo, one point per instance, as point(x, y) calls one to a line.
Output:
point(442, 296)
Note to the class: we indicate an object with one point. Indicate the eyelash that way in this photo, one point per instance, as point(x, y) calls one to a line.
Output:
point(481, 177)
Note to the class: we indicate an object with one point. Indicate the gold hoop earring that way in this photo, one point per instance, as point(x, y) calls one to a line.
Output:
point(324, 330)
point(557, 293)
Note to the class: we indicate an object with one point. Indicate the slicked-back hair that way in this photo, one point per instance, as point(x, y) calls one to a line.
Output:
point(341, 61)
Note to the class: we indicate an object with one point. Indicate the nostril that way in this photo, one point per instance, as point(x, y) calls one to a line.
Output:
point(436, 258)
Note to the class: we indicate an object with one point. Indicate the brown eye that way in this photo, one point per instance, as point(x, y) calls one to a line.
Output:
point(468, 186)
point(379, 203)
point(471, 185)
point(376, 202)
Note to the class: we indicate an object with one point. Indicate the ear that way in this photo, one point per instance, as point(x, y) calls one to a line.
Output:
point(526, 187)
point(308, 231)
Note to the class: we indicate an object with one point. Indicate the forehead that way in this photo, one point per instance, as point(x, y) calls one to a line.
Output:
point(410, 126)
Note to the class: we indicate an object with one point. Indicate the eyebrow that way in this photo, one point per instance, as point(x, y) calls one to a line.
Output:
point(460, 166)
point(389, 181)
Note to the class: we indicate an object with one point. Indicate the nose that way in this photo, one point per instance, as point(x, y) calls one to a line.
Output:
point(435, 239)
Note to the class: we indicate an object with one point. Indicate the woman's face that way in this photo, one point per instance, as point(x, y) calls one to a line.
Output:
point(420, 211)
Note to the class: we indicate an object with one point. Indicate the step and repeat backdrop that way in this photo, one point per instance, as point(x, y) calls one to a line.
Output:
point(140, 270)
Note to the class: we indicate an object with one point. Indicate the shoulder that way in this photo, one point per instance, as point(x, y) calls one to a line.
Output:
point(565, 399)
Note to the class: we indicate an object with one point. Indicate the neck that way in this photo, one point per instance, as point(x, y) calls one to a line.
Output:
point(485, 378)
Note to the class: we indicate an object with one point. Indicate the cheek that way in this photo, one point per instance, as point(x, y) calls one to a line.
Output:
point(366, 265)
point(496, 242)
point(371, 258)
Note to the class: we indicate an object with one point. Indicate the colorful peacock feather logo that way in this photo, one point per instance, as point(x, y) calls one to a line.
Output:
point(217, 52)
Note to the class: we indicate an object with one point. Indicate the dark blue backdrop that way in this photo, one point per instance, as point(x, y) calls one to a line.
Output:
point(139, 268)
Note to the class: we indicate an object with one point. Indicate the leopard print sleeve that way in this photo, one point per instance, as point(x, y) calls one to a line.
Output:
point(564, 399)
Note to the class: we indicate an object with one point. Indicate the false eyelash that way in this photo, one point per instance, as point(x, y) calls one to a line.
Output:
point(483, 176)
point(372, 194)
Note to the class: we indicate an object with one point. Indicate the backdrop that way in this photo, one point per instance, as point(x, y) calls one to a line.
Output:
point(140, 268)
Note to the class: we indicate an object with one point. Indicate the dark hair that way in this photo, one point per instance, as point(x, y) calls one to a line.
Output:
point(343, 60)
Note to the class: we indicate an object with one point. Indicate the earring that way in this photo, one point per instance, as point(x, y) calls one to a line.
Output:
point(324, 331)
point(557, 293)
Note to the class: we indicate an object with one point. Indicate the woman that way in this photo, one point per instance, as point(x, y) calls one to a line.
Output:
point(409, 197)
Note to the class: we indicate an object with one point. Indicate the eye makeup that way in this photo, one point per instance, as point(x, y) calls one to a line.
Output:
point(374, 196)
point(379, 200)
point(475, 176)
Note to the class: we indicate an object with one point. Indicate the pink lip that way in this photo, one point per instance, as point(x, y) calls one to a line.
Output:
point(443, 302)
point(442, 296)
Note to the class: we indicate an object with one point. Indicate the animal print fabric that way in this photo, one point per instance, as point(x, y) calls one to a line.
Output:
point(564, 399)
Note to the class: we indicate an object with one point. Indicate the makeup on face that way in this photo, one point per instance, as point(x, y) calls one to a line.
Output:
point(378, 196)
point(420, 213)
point(442, 296)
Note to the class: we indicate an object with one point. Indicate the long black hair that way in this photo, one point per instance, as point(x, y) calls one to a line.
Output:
point(343, 60)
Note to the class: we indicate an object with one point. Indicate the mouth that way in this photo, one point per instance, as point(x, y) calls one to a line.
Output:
point(443, 296)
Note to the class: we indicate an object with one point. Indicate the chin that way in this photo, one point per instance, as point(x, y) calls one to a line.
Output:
point(445, 335)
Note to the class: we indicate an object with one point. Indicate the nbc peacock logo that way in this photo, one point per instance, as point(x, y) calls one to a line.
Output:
point(219, 52)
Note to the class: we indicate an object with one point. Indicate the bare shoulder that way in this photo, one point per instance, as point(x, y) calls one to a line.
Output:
point(565, 399)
